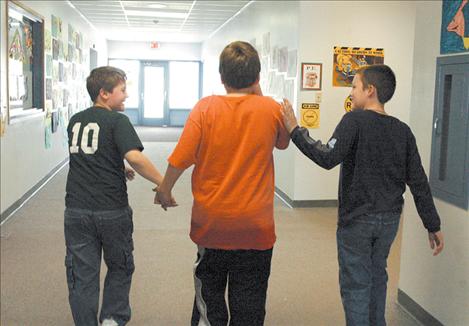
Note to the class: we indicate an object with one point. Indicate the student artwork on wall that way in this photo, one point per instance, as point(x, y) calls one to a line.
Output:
point(348, 60)
point(291, 69)
point(56, 27)
point(283, 59)
point(47, 41)
point(278, 68)
point(454, 27)
point(311, 75)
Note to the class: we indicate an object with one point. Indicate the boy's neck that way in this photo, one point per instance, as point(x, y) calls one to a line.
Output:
point(237, 92)
point(101, 104)
point(375, 106)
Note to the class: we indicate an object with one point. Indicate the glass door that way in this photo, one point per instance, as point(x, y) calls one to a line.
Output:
point(154, 104)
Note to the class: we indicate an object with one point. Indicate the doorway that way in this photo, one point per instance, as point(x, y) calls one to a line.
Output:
point(154, 97)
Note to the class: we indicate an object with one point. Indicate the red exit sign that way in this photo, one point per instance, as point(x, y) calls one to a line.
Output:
point(154, 45)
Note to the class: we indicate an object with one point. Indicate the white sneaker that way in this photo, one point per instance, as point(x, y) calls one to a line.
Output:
point(109, 322)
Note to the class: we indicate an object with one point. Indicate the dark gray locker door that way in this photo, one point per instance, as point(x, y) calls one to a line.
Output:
point(449, 161)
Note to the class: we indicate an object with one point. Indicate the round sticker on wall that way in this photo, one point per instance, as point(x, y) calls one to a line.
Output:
point(348, 104)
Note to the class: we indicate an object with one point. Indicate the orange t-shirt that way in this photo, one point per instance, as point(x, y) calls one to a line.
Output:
point(230, 141)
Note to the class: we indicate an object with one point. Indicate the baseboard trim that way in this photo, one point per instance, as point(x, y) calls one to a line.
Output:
point(415, 310)
point(304, 203)
point(5, 216)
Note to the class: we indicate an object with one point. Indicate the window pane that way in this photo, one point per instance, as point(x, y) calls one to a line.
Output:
point(132, 70)
point(153, 106)
point(183, 84)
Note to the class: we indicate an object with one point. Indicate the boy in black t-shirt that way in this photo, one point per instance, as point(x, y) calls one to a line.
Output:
point(378, 156)
point(98, 218)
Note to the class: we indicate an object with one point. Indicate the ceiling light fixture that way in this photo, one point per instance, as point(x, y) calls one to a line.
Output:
point(157, 5)
point(165, 14)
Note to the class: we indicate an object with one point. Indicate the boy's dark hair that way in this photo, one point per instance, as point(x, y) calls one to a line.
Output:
point(382, 78)
point(239, 65)
point(106, 78)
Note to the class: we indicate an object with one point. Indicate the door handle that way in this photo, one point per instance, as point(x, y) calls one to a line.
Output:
point(436, 126)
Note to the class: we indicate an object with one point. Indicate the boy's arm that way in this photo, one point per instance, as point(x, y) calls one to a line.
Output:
point(163, 192)
point(142, 165)
point(325, 155)
point(417, 181)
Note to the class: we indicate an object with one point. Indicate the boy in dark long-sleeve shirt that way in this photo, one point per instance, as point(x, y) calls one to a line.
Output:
point(378, 156)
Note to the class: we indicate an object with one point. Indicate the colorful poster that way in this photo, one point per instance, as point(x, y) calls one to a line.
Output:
point(48, 89)
point(55, 49)
point(56, 23)
point(48, 65)
point(47, 41)
point(347, 61)
point(310, 115)
point(47, 131)
point(454, 27)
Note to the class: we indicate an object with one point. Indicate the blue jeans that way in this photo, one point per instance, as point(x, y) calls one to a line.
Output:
point(363, 249)
point(88, 234)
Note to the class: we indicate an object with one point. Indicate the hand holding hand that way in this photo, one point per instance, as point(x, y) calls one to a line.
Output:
point(436, 242)
point(164, 199)
point(289, 118)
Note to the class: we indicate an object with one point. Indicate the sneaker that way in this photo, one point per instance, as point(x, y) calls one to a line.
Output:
point(109, 322)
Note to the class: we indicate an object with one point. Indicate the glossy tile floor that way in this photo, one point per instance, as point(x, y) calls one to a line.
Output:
point(303, 288)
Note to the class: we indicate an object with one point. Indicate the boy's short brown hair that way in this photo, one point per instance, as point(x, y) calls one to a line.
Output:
point(239, 65)
point(382, 78)
point(105, 78)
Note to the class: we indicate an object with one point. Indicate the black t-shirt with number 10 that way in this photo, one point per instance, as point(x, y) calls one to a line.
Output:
point(98, 139)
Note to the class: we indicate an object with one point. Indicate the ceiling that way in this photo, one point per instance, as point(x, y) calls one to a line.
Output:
point(164, 21)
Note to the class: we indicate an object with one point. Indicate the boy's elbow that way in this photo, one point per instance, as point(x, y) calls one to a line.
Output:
point(134, 157)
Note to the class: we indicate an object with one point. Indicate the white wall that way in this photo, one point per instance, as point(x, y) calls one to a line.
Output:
point(375, 24)
point(439, 284)
point(142, 50)
point(280, 18)
point(314, 28)
point(24, 158)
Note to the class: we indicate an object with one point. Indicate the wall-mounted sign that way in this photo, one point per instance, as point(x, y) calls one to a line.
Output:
point(310, 115)
point(311, 76)
point(348, 104)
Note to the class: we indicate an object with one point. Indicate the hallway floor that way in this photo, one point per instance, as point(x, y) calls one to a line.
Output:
point(303, 288)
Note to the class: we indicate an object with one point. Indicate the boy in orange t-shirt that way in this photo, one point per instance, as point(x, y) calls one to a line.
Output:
point(229, 140)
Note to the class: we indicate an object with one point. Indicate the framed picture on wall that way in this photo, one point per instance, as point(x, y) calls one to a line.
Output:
point(311, 76)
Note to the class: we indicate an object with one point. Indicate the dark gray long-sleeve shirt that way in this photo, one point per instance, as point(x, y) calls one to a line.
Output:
point(378, 156)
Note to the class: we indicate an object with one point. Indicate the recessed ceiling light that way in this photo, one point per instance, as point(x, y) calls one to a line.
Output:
point(167, 14)
point(157, 5)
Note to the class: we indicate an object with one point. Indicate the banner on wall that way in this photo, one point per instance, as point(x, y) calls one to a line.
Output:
point(348, 60)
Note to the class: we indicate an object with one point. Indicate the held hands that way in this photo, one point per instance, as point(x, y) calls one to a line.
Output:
point(164, 199)
point(129, 174)
point(289, 118)
point(436, 242)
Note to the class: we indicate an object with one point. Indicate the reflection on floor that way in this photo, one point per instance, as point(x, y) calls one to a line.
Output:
point(303, 288)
